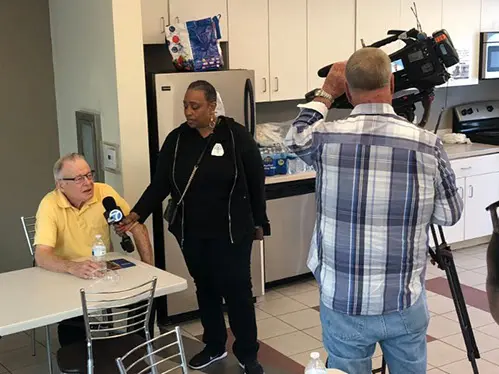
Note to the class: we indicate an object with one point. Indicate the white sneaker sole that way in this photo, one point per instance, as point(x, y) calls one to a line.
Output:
point(221, 357)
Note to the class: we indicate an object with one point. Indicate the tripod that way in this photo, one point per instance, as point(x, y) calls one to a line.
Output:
point(442, 257)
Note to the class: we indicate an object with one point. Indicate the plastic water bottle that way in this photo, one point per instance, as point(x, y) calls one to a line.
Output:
point(315, 365)
point(99, 251)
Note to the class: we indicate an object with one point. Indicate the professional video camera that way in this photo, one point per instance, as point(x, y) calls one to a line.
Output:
point(421, 64)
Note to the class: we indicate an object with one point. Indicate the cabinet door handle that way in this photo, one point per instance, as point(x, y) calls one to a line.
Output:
point(162, 25)
point(470, 188)
point(461, 191)
point(264, 84)
point(276, 84)
point(466, 168)
point(177, 20)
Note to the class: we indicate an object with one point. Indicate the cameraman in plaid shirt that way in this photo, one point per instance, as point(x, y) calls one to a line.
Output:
point(381, 181)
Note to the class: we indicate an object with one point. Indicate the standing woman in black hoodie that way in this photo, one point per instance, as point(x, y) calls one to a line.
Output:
point(212, 168)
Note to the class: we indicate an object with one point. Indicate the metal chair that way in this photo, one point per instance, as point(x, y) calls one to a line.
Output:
point(113, 321)
point(29, 225)
point(150, 363)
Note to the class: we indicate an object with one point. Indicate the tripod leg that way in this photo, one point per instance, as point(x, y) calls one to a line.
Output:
point(462, 312)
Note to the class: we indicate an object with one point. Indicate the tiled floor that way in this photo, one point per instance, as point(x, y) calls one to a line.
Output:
point(289, 328)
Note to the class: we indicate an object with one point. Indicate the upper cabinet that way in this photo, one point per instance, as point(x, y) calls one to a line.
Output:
point(154, 19)
point(190, 10)
point(288, 49)
point(270, 37)
point(461, 18)
point(247, 48)
point(490, 15)
point(336, 42)
point(374, 19)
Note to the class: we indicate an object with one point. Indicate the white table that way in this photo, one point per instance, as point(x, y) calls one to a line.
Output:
point(36, 297)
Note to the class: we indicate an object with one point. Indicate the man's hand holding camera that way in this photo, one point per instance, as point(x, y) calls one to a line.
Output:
point(335, 83)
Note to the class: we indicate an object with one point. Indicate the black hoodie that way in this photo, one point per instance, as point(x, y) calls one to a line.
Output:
point(227, 195)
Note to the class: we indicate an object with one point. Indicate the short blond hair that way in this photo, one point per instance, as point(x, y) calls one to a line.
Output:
point(59, 164)
point(368, 69)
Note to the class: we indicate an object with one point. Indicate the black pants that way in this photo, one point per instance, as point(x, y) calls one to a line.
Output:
point(72, 330)
point(222, 270)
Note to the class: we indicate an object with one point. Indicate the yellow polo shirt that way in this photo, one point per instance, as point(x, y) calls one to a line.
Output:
point(71, 231)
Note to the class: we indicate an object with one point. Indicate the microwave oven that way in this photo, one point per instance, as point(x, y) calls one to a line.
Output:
point(489, 55)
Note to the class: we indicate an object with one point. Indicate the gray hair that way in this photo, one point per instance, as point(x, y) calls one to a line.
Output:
point(368, 69)
point(59, 164)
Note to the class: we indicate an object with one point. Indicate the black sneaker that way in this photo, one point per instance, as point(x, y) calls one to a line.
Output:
point(205, 358)
point(252, 367)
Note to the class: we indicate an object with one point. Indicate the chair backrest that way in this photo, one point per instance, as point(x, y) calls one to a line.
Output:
point(29, 224)
point(151, 362)
point(114, 314)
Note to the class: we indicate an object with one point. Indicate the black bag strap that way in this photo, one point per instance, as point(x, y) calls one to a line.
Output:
point(196, 166)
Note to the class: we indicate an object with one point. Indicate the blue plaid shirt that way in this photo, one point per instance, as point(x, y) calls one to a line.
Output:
point(381, 181)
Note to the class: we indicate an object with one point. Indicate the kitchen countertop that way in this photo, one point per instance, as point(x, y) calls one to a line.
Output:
point(454, 151)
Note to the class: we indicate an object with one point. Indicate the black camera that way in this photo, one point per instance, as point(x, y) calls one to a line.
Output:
point(421, 64)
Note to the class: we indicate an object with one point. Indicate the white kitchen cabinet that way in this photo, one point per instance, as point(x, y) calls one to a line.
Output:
point(154, 19)
point(374, 19)
point(248, 50)
point(288, 49)
point(331, 35)
point(190, 10)
point(461, 18)
point(429, 14)
point(490, 15)
point(270, 37)
point(481, 191)
point(453, 234)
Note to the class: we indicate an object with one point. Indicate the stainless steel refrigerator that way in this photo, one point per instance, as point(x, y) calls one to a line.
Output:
point(166, 112)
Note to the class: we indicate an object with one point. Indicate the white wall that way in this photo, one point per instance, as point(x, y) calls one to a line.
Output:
point(99, 67)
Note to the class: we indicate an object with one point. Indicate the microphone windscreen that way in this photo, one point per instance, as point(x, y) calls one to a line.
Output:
point(109, 203)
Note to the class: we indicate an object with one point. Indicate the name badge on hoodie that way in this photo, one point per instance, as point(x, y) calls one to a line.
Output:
point(217, 150)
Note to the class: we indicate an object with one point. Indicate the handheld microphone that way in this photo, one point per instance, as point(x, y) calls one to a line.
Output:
point(113, 215)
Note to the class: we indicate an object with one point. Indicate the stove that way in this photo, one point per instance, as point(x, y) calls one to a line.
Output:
point(479, 121)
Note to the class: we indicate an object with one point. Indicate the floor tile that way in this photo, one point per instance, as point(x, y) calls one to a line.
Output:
point(471, 278)
point(314, 332)
point(491, 356)
point(271, 327)
point(304, 358)
point(435, 371)
point(14, 341)
point(464, 366)
point(302, 319)
point(54, 340)
point(470, 263)
point(21, 358)
point(478, 317)
point(294, 343)
point(440, 353)
point(492, 330)
point(195, 328)
point(260, 314)
point(37, 369)
point(482, 270)
point(484, 342)
point(281, 306)
point(295, 288)
point(309, 298)
point(440, 304)
point(3, 369)
point(441, 327)
point(481, 287)
point(269, 295)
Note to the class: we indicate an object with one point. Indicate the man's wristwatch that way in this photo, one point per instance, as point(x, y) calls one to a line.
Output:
point(318, 92)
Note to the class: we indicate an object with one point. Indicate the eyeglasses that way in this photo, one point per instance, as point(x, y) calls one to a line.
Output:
point(79, 179)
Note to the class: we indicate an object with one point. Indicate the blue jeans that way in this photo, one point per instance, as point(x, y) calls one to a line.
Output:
point(350, 341)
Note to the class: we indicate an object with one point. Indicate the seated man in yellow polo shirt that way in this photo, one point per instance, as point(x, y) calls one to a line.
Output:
point(67, 221)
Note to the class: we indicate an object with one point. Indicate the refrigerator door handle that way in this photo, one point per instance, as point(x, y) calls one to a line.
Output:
point(249, 104)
